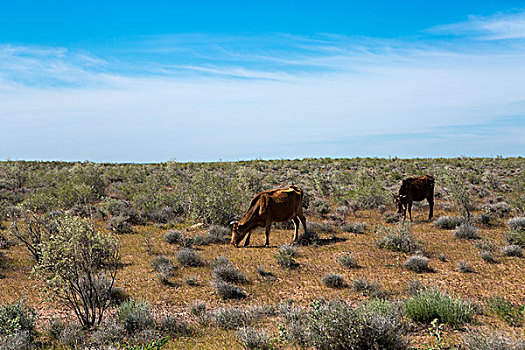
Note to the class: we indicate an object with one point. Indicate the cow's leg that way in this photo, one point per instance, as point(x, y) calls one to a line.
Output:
point(430, 208)
point(268, 228)
point(410, 210)
point(296, 227)
point(303, 221)
point(247, 242)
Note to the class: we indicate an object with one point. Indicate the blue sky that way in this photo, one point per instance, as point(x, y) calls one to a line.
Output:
point(207, 80)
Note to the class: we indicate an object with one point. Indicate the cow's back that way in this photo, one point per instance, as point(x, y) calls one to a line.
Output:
point(417, 188)
point(285, 203)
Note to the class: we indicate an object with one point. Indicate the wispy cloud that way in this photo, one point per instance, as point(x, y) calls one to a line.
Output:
point(497, 27)
point(199, 97)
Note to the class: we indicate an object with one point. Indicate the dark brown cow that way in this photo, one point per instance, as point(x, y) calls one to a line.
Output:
point(278, 205)
point(415, 189)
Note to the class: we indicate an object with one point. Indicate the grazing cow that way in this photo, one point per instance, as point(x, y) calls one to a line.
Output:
point(278, 205)
point(415, 189)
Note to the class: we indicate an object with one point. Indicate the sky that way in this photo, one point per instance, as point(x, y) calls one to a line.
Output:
point(152, 81)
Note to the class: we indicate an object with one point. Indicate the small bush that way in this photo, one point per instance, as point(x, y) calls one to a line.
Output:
point(286, 261)
point(487, 256)
point(432, 303)
point(466, 231)
point(218, 234)
point(368, 288)
point(228, 291)
point(442, 257)
point(486, 245)
point(120, 224)
point(173, 236)
point(357, 227)
point(189, 258)
point(336, 325)
point(18, 341)
point(517, 223)
point(399, 239)
point(463, 267)
point(198, 308)
point(233, 317)
point(347, 260)
point(110, 332)
point(135, 316)
point(69, 334)
point(333, 280)
point(516, 235)
point(17, 318)
point(508, 312)
point(261, 270)
point(289, 250)
point(448, 222)
point(228, 273)
point(512, 250)
point(221, 261)
point(173, 326)
point(500, 209)
point(482, 341)
point(308, 238)
point(164, 268)
point(251, 338)
point(417, 263)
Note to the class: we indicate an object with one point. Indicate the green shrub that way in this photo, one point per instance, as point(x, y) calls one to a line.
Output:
point(508, 312)
point(483, 341)
point(448, 222)
point(251, 338)
point(466, 231)
point(78, 266)
point(347, 260)
point(417, 263)
point(135, 316)
point(432, 303)
point(336, 325)
point(333, 280)
point(399, 239)
point(189, 258)
point(228, 291)
point(17, 317)
point(512, 250)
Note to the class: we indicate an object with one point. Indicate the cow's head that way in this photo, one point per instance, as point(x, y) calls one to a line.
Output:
point(237, 234)
point(400, 201)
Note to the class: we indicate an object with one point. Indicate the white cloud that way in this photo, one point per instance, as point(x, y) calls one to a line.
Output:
point(59, 104)
point(497, 27)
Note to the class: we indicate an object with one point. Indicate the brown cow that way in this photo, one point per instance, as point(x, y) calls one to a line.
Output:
point(415, 189)
point(278, 205)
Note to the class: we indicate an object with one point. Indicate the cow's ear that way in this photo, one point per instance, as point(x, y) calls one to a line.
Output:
point(233, 223)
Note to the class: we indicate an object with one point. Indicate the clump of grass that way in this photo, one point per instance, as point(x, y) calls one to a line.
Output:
point(218, 234)
point(463, 267)
point(431, 303)
point(347, 260)
point(135, 316)
point(234, 317)
point(189, 258)
point(508, 312)
point(228, 291)
point(337, 325)
point(485, 245)
point(368, 288)
point(285, 260)
point(512, 250)
point(289, 250)
point(173, 326)
point(448, 222)
point(356, 227)
point(466, 231)
point(120, 224)
point(228, 273)
point(251, 338)
point(482, 341)
point(517, 223)
point(173, 236)
point(487, 256)
point(442, 257)
point(399, 239)
point(164, 268)
point(417, 263)
point(333, 280)
point(308, 238)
